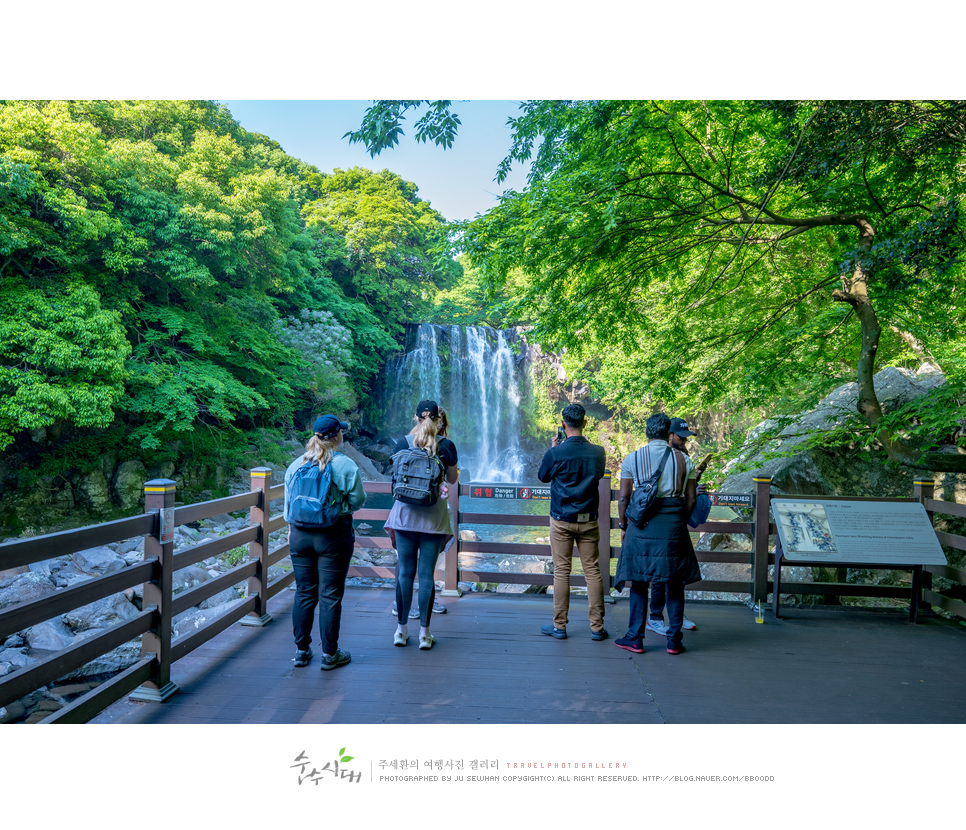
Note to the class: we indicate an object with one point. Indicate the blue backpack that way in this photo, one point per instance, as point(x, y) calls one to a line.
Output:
point(314, 501)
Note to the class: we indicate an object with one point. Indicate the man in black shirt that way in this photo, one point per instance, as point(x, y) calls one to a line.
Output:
point(574, 467)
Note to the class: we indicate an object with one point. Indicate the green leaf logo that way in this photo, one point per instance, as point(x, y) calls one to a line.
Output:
point(343, 758)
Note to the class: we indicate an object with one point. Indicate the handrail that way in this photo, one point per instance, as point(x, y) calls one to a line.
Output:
point(27, 614)
point(152, 672)
point(27, 551)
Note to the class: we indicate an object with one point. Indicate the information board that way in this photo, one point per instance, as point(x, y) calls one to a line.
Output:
point(509, 491)
point(745, 500)
point(818, 530)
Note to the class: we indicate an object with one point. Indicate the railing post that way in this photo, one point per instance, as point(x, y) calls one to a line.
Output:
point(603, 546)
point(922, 489)
point(451, 564)
point(258, 517)
point(159, 498)
point(759, 562)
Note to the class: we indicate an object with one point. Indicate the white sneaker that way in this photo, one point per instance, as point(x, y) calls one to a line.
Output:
point(687, 625)
point(427, 641)
point(400, 638)
point(659, 626)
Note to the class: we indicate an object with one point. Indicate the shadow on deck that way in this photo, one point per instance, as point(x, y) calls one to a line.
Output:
point(492, 665)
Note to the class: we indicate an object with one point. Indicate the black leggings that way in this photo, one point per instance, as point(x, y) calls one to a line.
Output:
point(416, 553)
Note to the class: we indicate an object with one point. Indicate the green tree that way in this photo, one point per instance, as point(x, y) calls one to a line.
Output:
point(730, 250)
point(378, 236)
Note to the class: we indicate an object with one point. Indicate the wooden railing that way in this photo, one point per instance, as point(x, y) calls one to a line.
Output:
point(149, 679)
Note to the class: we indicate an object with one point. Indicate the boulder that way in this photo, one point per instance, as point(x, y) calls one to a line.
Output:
point(187, 578)
point(470, 536)
point(128, 483)
point(114, 661)
point(94, 491)
point(12, 711)
point(228, 595)
point(102, 613)
point(97, 561)
point(367, 469)
point(25, 587)
point(16, 657)
point(801, 470)
point(51, 635)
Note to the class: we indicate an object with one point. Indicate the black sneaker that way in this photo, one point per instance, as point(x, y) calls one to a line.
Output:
point(630, 644)
point(599, 635)
point(302, 657)
point(333, 661)
point(674, 648)
point(559, 633)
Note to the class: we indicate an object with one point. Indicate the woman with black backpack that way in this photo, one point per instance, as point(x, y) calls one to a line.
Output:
point(322, 490)
point(419, 523)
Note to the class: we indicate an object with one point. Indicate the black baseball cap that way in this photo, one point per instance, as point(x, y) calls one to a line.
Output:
point(680, 427)
point(427, 406)
point(326, 425)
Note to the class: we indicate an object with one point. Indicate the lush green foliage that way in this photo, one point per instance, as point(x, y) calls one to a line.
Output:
point(165, 270)
point(745, 254)
point(378, 236)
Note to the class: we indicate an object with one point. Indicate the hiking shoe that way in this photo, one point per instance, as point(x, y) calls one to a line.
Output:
point(674, 648)
point(599, 635)
point(302, 657)
point(400, 638)
point(426, 641)
point(630, 644)
point(333, 661)
point(438, 608)
point(687, 625)
point(559, 633)
point(659, 626)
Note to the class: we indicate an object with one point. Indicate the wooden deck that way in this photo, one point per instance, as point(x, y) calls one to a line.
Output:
point(492, 665)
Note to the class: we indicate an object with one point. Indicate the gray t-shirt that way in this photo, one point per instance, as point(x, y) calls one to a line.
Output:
point(641, 464)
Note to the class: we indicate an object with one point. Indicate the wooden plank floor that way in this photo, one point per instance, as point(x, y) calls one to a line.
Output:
point(492, 665)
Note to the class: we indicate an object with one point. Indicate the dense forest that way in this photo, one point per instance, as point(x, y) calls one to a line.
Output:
point(173, 284)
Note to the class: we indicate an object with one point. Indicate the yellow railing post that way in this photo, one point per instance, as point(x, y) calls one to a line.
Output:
point(159, 545)
point(259, 517)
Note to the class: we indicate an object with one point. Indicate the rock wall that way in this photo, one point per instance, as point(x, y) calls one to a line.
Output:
point(802, 470)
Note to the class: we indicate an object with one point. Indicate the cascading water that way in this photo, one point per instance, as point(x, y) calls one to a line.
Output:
point(475, 376)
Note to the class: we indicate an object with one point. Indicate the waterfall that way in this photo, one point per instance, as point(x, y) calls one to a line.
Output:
point(478, 381)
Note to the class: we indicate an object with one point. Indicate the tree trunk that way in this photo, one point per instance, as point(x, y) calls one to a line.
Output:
point(855, 292)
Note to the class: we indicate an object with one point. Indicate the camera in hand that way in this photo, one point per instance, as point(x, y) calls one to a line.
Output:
point(705, 461)
point(561, 435)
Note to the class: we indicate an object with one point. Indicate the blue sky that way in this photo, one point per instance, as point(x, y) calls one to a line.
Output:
point(458, 182)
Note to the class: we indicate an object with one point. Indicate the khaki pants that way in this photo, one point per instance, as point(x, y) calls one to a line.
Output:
point(586, 536)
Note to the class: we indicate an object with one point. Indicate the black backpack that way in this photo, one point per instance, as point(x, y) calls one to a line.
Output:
point(416, 477)
point(314, 501)
point(642, 502)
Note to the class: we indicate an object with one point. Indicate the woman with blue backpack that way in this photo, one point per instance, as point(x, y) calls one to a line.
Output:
point(419, 523)
point(322, 490)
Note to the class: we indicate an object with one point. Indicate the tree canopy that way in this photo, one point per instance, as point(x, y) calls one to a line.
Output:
point(707, 253)
point(164, 270)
